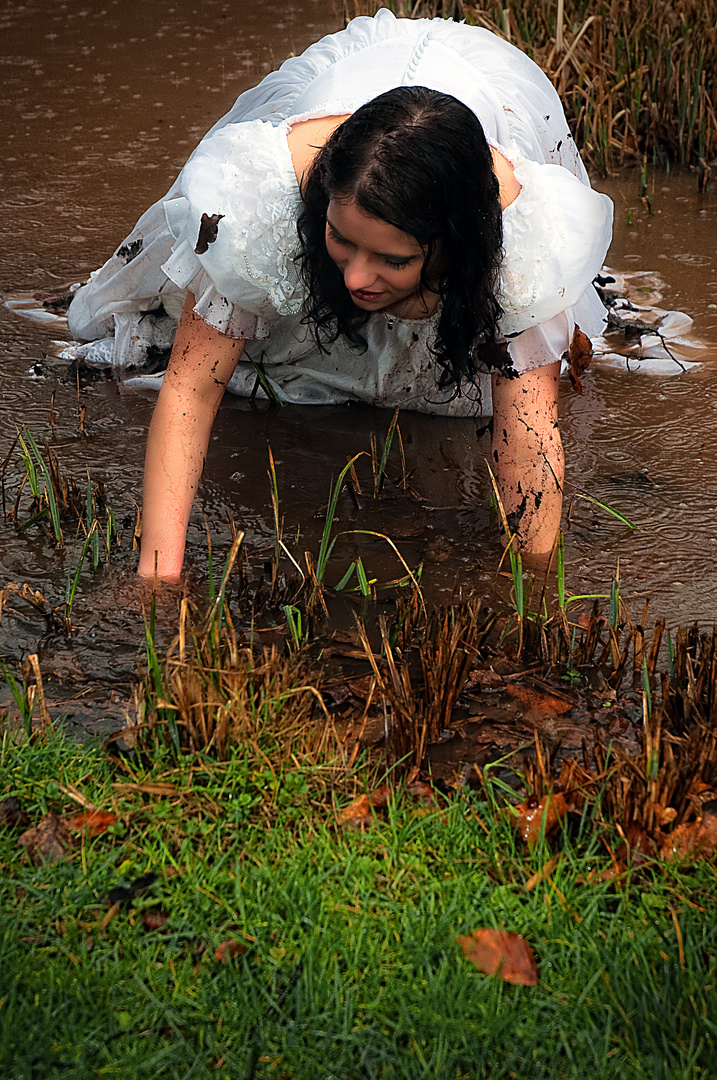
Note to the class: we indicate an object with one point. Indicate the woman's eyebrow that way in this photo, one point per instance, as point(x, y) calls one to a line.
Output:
point(383, 254)
point(333, 228)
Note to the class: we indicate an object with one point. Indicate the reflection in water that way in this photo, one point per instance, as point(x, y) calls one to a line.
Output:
point(97, 117)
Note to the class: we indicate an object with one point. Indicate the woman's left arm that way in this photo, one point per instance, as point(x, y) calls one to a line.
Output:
point(527, 455)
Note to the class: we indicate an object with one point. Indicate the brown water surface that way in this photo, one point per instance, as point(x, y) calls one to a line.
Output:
point(99, 110)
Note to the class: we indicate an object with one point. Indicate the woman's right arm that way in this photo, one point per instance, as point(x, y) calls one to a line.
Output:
point(202, 363)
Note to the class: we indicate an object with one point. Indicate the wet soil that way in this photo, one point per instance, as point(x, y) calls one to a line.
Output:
point(98, 114)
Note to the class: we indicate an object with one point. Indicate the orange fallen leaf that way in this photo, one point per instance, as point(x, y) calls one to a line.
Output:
point(47, 842)
point(580, 355)
point(502, 953)
point(380, 797)
point(154, 918)
point(228, 950)
point(545, 871)
point(693, 837)
point(358, 814)
point(638, 847)
point(93, 822)
point(538, 700)
point(528, 818)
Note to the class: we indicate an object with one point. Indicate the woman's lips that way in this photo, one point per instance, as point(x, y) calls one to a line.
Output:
point(365, 296)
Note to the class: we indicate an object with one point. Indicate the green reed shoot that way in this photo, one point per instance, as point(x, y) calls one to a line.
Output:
point(646, 685)
point(32, 475)
point(327, 543)
point(278, 525)
point(615, 601)
point(364, 585)
point(297, 627)
point(164, 715)
point(24, 702)
point(72, 580)
point(603, 506)
point(215, 614)
point(379, 467)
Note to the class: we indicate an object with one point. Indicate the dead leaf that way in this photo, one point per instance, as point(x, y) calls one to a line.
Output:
point(637, 848)
point(528, 819)
point(693, 837)
point(93, 822)
point(154, 918)
point(47, 842)
point(380, 797)
point(12, 815)
point(580, 355)
point(208, 229)
point(545, 871)
point(539, 701)
point(228, 950)
point(484, 679)
point(502, 953)
point(149, 788)
point(358, 814)
point(614, 874)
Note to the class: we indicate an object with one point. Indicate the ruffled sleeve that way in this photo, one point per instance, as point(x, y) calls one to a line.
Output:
point(555, 237)
point(240, 265)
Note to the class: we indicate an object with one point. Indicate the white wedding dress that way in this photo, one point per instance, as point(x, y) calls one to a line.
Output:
point(556, 232)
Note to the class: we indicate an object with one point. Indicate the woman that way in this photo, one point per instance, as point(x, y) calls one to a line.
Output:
point(391, 217)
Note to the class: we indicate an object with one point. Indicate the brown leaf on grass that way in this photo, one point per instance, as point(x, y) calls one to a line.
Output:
point(580, 355)
point(228, 950)
point(47, 842)
point(502, 953)
point(154, 918)
point(380, 797)
point(539, 701)
point(93, 822)
point(545, 871)
point(148, 788)
point(614, 874)
point(637, 848)
point(12, 815)
point(359, 814)
point(528, 817)
point(698, 838)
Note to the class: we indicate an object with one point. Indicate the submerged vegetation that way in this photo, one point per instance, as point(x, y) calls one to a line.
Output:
point(638, 79)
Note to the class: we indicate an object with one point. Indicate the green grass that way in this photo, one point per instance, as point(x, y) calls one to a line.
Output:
point(353, 971)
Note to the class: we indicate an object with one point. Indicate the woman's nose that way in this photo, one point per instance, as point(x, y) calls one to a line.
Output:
point(358, 273)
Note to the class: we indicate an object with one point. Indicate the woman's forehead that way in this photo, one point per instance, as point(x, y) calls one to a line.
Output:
point(356, 224)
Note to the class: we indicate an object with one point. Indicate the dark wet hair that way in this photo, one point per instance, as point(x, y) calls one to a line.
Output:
point(419, 160)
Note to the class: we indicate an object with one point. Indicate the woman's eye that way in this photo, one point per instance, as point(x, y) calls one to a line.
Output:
point(336, 238)
point(396, 264)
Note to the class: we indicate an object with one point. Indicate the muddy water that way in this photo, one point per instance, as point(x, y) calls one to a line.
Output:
point(98, 112)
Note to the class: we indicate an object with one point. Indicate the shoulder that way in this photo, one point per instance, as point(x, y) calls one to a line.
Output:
point(509, 185)
point(234, 217)
point(556, 233)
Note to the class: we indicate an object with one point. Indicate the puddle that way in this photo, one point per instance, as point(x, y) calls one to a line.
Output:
point(97, 117)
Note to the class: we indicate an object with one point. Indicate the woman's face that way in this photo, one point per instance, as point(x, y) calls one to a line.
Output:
point(380, 264)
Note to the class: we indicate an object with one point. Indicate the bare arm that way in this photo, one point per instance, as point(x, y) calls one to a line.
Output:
point(202, 363)
point(527, 455)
